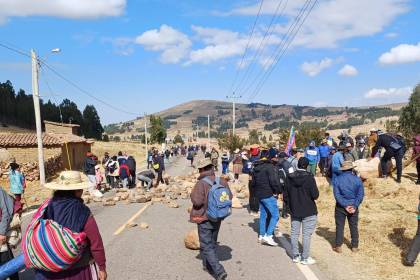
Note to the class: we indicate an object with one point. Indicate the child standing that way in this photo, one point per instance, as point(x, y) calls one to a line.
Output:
point(17, 183)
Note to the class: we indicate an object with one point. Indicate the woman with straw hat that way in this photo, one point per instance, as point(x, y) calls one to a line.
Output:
point(68, 210)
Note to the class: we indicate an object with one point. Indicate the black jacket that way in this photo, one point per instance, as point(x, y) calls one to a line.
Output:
point(385, 140)
point(301, 193)
point(131, 163)
point(89, 166)
point(265, 179)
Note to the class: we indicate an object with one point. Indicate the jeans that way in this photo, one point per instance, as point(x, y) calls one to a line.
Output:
point(159, 178)
point(132, 180)
point(254, 202)
point(308, 226)
point(146, 180)
point(340, 220)
point(398, 155)
point(268, 206)
point(414, 250)
point(225, 166)
point(207, 234)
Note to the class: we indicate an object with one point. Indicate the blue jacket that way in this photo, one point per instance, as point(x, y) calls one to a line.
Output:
point(312, 154)
point(337, 162)
point(348, 190)
point(324, 151)
point(16, 180)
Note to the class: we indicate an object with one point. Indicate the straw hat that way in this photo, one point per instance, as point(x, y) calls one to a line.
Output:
point(203, 163)
point(347, 165)
point(68, 181)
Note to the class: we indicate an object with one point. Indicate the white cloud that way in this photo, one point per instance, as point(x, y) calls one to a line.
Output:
point(388, 92)
point(334, 21)
point(313, 68)
point(403, 53)
point(121, 45)
point(75, 9)
point(348, 70)
point(173, 44)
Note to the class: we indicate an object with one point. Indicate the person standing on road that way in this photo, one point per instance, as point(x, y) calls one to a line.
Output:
point(301, 193)
point(324, 152)
point(16, 182)
point(312, 154)
point(149, 159)
point(394, 148)
point(348, 193)
point(254, 202)
point(131, 163)
point(67, 209)
point(284, 168)
point(113, 168)
point(89, 170)
point(104, 164)
point(237, 164)
point(414, 249)
point(158, 167)
point(225, 163)
point(214, 156)
point(266, 187)
point(208, 230)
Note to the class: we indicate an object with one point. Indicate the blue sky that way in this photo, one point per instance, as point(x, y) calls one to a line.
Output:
point(145, 56)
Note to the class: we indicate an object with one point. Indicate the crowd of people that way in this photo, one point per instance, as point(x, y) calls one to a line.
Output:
point(291, 176)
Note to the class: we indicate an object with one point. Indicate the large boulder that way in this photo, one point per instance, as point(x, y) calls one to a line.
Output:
point(191, 240)
point(367, 168)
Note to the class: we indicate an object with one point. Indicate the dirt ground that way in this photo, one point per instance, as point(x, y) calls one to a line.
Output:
point(387, 224)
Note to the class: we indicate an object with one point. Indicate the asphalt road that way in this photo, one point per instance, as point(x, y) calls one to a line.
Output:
point(158, 253)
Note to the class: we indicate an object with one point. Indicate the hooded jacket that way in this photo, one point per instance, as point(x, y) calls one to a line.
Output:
point(199, 197)
point(265, 179)
point(301, 193)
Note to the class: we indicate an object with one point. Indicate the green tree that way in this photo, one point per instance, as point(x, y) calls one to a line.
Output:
point(305, 135)
point(409, 122)
point(92, 127)
point(253, 137)
point(178, 139)
point(231, 142)
point(157, 130)
point(71, 113)
point(105, 138)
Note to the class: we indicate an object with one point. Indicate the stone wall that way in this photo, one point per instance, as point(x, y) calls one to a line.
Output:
point(31, 154)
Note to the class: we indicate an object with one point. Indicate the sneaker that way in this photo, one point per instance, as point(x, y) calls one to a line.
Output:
point(260, 238)
point(296, 259)
point(222, 276)
point(338, 249)
point(268, 240)
point(308, 261)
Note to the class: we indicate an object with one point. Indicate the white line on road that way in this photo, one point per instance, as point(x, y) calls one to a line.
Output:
point(121, 228)
point(307, 272)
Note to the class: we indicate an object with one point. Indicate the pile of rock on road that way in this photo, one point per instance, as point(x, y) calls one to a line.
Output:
point(178, 187)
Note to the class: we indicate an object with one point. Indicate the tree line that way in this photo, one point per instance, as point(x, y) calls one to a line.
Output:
point(18, 109)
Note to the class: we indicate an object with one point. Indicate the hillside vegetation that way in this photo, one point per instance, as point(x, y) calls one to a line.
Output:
point(191, 117)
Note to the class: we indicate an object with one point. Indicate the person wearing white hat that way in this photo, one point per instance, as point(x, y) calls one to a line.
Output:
point(68, 210)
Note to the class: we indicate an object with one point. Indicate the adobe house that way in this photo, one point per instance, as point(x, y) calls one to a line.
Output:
point(58, 140)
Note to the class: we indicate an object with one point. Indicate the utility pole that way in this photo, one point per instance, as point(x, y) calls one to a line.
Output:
point(145, 137)
point(35, 94)
point(234, 97)
point(208, 129)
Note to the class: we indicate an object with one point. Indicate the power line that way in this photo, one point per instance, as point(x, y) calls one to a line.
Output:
point(260, 48)
point(282, 53)
point(75, 85)
point(247, 46)
point(279, 48)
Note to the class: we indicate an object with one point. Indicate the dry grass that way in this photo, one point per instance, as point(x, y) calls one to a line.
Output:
point(387, 225)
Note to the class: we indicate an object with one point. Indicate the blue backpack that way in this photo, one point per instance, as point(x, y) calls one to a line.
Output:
point(219, 203)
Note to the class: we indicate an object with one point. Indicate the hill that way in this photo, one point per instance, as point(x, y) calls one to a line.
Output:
point(191, 117)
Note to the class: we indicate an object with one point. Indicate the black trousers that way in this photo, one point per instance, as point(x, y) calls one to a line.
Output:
point(254, 202)
point(207, 233)
point(340, 220)
point(323, 164)
point(418, 171)
point(159, 178)
point(414, 250)
point(398, 155)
